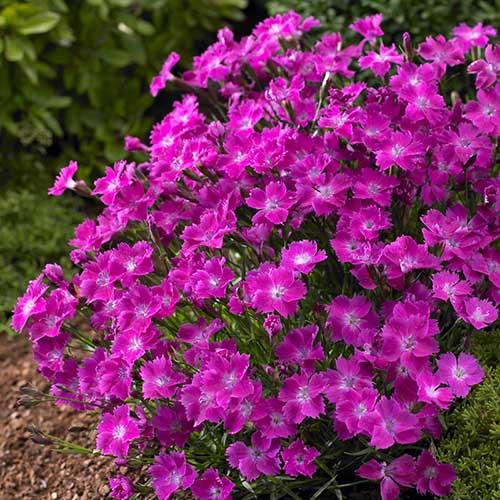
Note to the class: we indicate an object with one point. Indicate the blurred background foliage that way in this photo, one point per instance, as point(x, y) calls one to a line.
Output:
point(74, 74)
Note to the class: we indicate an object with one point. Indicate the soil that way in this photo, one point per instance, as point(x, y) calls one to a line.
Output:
point(29, 470)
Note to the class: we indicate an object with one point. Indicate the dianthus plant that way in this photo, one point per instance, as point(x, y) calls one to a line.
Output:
point(279, 299)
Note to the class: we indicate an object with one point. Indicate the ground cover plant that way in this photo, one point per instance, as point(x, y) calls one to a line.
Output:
point(279, 299)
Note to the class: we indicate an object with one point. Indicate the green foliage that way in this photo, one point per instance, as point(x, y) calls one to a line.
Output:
point(473, 442)
point(422, 18)
point(74, 75)
point(34, 231)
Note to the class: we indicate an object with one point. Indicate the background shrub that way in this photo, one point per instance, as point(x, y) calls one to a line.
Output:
point(74, 75)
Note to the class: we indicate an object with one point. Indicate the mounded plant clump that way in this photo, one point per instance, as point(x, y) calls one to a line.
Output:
point(279, 299)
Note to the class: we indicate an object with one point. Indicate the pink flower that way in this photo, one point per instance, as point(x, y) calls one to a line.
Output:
point(259, 458)
point(160, 380)
point(350, 375)
point(430, 390)
point(64, 180)
point(115, 377)
point(479, 313)
point(401, 150)
point(273, 203)
point(368, 27)
point(380, 62)
point(271, 421)
point(432, 476)
point(449, 286)
point(122, 487)
point(390, 423)
point(171, 473)
point(351, 319)
point(172, 426)
point(400, 472)
point(276, 289)
point(477, 36)
point(302, 256)
point(299, 459)
point(116, 431)
point(210, 486)
point(272, 324)
point(460, 374)
point(158, 82)
point(297, 347)
point(302, 397)
point(440, 50)
point(212, 280)
point(487, 70)
point(351, 409)
point(30, 303)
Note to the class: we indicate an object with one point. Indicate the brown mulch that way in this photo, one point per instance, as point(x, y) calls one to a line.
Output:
point(29, 470)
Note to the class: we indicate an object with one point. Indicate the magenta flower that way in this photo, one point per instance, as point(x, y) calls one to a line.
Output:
point(380, 62)
point(430, 390)
point(122, 487)
point(487, 70)
point(225, 379)
point(460, 374)
point(259, 458)
point(432, 476)
point(400, 472)
point(449, 286)
point(368, 27)
point(210, 486)
point(115, 377)
point(477, 36)
point(479, 313)
point(299, 459)
point(29, 304)
point(408, 334)
point(209, 232)
point(272, 324)
point(132, 344)
point(302, 397)
point(297, 347)
point(273, 203)
point(64, 180)
point(402, 150)
point(440, 50)
point(170, 473)
point(302, 256)
point(271, 420)
point(350, 375)
point(116, 431)
point(403, 256)
point(353, 408)
point(212, 280)
point(160, 380)
point(351, 319)
point(375, 186)
point(389, 423)
point(276, 289)
point(158, 82)
point(172, 426)
point(115, 179)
